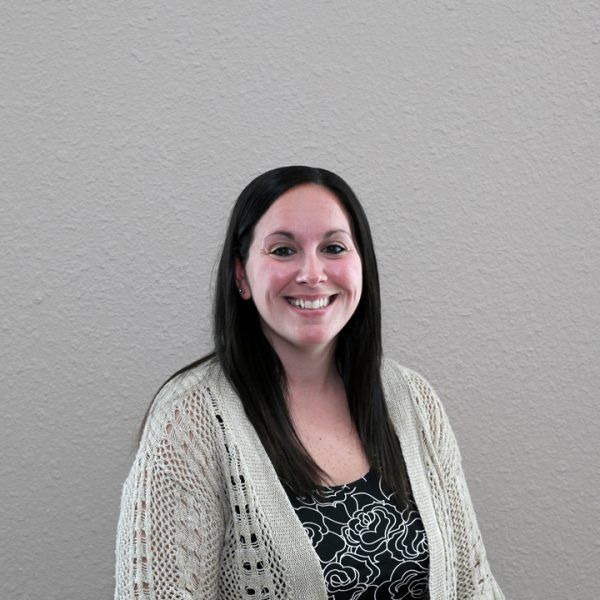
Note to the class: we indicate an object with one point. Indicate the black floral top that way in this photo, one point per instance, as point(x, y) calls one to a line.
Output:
point(369, 546)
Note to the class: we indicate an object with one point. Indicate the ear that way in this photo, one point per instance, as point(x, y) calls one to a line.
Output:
point(240, 279)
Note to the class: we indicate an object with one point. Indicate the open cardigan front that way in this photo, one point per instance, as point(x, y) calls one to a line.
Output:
point(204, 515)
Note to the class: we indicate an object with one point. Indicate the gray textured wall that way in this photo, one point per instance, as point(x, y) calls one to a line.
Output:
point(470, 131)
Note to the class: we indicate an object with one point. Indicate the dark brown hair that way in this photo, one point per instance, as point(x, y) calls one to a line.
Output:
point(253, 367)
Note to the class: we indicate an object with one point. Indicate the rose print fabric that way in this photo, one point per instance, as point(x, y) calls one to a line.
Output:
point(369, 546)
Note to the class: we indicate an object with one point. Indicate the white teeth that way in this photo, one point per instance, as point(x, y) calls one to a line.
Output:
point(308, 304)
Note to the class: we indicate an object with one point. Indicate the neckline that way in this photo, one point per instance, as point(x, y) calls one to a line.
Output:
point(327, 488)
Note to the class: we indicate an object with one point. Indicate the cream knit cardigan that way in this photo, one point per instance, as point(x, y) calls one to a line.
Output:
point(203, 514)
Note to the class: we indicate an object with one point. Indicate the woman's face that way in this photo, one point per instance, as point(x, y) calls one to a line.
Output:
point(303, 270)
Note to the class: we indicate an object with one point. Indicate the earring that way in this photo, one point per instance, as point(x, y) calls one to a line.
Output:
point(241, 291)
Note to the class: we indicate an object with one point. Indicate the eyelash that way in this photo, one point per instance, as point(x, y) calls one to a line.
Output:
point(276, 251)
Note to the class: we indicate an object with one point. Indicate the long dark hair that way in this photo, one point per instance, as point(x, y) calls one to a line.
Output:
point(253, 367)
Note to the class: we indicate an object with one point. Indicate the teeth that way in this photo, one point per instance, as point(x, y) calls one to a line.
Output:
point(308, 304)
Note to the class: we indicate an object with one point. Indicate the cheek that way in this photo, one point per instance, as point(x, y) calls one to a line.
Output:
point(270, 279)
point(349, 275)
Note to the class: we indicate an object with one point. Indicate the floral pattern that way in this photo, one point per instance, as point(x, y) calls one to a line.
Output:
point(370, 547)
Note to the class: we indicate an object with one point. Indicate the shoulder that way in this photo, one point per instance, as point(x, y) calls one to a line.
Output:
point(180, 443)
point(427, 406)
point(390, 370)
point(184, 404)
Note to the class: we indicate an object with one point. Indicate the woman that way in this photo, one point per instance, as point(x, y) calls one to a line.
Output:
point(293, 462)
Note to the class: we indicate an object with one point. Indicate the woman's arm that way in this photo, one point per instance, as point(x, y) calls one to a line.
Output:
point(170, 527)
point(474, 579)
point(166, 544)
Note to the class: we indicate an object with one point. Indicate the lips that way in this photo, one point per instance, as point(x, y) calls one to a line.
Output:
point(311, 304)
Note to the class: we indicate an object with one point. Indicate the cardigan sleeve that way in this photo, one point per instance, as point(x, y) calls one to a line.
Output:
point(474, 580)
point(170, 527)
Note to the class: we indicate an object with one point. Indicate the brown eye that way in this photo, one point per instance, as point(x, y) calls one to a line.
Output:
point(334, 249)
point(282, 251)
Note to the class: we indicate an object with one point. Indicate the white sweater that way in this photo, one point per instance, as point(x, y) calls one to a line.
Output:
point(203, 514)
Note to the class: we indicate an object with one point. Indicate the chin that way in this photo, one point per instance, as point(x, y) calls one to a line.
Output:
point(312, 341)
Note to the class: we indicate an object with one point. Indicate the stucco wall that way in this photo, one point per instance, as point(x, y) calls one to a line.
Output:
point(470, 132)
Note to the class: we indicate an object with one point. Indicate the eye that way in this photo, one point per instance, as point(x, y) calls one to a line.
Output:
point(334, 249)
point(282, 251)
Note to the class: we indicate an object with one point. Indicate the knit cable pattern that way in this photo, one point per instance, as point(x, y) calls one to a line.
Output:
point(174, 538)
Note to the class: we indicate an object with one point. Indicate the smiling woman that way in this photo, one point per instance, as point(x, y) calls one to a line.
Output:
point(294, 462)
point(303, 271)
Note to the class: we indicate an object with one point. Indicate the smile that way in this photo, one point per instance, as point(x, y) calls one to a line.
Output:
point(311, 304)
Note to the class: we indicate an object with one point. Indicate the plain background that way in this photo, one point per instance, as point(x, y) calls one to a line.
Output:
point(470, 131)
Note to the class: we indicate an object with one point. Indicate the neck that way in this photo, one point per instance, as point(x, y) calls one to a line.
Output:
point(310, 372)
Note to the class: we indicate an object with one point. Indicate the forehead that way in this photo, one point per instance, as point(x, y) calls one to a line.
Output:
point(305, 207)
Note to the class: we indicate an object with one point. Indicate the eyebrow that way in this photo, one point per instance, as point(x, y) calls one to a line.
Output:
point(290, 235)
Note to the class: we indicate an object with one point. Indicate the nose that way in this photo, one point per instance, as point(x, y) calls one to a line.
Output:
point(312, 271)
